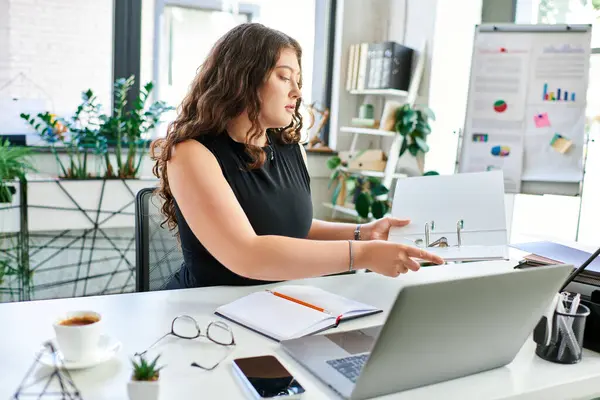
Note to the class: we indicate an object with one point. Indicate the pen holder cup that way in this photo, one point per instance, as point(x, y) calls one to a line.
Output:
point(566, 341)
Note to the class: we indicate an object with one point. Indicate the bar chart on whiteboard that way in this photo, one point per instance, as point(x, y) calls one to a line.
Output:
point(557, 95)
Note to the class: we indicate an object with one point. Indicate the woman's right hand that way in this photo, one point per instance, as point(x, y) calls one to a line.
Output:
point(391, 259)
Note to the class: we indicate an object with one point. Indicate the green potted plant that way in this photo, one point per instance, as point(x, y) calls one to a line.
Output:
point(129, 128)
point(368, 193)
point(368, 198)
point(97, 154)
point(77, 135)
point(364, 192)
point(412, 122)
point(15, 162)
point(90, 133)
point(144, 383)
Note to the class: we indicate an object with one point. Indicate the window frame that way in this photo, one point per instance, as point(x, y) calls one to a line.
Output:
point(322, 83)
point(127, 31)
point(251, 10)
point(127, 47)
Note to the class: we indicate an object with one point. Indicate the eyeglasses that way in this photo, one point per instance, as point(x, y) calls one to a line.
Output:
point(186, 327)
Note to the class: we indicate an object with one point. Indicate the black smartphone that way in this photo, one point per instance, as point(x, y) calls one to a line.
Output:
point(266, 378)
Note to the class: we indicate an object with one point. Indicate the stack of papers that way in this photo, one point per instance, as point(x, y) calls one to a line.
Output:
point(546, 252)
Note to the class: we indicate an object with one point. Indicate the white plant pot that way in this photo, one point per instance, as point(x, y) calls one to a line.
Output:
point(143, 390)
point(98, 199)
point(411, 165)
point(10, 213)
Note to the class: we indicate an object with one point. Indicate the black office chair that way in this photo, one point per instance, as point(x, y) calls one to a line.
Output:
point(158, 254)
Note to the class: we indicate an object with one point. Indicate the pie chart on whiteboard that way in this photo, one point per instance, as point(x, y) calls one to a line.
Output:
point(500, 106)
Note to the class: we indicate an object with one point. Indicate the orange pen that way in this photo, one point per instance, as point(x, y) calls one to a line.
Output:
point(284, 296)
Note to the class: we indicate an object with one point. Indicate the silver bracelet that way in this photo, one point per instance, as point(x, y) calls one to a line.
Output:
point(351, 267)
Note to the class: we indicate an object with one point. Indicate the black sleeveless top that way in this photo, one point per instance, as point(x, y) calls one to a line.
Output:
point(276, 199)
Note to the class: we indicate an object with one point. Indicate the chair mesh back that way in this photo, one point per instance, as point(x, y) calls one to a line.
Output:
point(164, 253)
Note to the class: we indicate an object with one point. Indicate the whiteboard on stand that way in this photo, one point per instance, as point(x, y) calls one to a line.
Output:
point(526, 106)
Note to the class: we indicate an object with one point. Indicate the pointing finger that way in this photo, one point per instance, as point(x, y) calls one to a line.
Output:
point(424, 255)
point(399, 222)
point(409, 263)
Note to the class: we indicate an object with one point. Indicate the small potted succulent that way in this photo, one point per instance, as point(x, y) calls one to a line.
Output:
point(144, 383)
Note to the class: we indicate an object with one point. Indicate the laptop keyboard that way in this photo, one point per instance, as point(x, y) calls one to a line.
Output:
point(351, 366)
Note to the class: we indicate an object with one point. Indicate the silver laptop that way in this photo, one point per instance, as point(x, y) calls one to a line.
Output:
point(434, 332)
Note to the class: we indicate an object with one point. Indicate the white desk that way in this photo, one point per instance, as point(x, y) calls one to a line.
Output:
point(138, 319)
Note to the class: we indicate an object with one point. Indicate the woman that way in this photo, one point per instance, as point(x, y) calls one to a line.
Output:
point(234, 181)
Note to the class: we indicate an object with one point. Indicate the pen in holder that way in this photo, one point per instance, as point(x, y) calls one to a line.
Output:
point(566, 336)
point(442, 241)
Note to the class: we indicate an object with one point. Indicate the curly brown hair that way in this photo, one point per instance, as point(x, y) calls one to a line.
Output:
point(225, 86)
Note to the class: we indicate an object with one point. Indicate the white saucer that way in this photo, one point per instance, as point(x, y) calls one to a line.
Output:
point(108, 348)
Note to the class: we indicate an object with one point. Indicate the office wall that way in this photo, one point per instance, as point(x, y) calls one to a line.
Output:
point(62, 47)
point(416, 20)
point(448, 31)
point(450, 73)
point(4, 41)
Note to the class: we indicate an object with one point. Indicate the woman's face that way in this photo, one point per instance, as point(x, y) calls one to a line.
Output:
point(279, 94)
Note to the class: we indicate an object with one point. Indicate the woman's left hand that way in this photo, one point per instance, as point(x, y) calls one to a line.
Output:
point(380, 229)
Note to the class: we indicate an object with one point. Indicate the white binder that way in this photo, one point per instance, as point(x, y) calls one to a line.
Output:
point(465, 210)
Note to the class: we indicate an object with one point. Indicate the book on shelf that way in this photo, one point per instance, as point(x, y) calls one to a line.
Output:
point(292, 311)
point(382, 65)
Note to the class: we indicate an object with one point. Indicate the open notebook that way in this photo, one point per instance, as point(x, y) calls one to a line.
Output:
point(292, 311)
point(438, 206)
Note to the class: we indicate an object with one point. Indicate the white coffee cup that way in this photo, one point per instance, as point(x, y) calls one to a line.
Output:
point(78, 334)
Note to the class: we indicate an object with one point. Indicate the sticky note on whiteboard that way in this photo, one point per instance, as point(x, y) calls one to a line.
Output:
point(560, 143)
point(541, 120)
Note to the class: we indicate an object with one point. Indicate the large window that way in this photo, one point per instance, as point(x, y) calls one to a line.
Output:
point(186, 40)
point(558, 217)
point(560, 12)
point(178, 34)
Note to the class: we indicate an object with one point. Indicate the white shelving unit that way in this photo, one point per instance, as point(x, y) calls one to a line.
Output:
point(410, 96)
point(367, 131)
point(376, 174)
point(382, 92)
